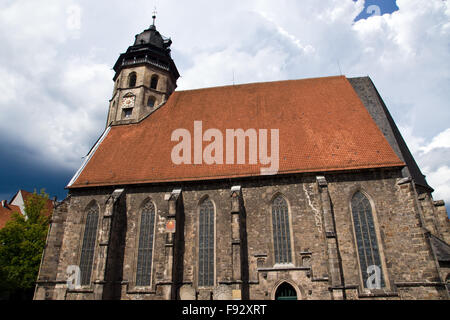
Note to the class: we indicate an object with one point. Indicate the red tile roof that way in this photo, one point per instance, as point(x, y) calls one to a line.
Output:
point(323, 126)
point(6, 213)
point(49, 204)
point(25, 195)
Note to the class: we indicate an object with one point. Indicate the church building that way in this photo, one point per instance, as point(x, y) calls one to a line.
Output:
point(298, 189)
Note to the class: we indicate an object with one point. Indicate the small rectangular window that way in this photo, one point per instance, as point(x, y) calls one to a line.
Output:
point(127, 113)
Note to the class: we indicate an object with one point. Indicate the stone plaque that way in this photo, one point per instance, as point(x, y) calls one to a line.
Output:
point(237, 295)
point(222, 292)
point(187, 292)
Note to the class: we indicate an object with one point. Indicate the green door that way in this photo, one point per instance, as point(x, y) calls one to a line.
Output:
point(285, 292)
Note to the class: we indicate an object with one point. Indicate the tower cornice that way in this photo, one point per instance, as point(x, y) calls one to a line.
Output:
point(148, 56)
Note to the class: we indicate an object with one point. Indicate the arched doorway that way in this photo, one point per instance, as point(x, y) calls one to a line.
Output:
point(285, 292)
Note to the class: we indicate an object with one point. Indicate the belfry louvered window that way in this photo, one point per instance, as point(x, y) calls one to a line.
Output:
point(281, 232)
point(154, 82)
point(145, 251)
point(206, 244)
point(88, 246)
point(132, 79)
point(366, 237)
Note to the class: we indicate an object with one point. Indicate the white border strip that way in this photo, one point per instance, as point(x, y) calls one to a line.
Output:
point(88, 157)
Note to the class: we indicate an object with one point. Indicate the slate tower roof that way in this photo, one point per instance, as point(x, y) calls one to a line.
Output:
point(149, 47)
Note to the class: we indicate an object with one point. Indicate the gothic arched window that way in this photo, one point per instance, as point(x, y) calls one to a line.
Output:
point(132, 79)
point(88, 246)
point(281, 232)
point(145, 250)
point(206, 244)
point(151, 101)
point(154, 82)
point(366, 238)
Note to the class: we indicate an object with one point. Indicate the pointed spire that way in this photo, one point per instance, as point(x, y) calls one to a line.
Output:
point(154, 16)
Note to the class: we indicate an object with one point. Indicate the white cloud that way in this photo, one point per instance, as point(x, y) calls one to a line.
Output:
point(440, 179)
point(442, 140)
point(433, 157)
point(57, 55)
point(265, 65)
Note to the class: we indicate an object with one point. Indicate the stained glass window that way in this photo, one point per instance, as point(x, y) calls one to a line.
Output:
point(206, 244)
point(88, 246)
point(281, 232)
point(145, 250)
point(366, 237)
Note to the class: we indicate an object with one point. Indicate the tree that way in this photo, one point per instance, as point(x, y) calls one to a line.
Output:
point(22, 242)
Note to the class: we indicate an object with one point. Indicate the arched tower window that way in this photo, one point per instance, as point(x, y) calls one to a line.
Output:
point(151, 102)
point(154, 82)
point(132, 79)
point(145, 250)
point(366, 238)
point(281, 232)
point(206, 244)
point(88, 246)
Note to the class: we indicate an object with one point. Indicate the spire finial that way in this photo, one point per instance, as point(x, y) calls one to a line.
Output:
point(154, 16)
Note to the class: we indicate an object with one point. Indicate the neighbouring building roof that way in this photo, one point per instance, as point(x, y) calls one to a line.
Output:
point(22, 195)
point(323, 126)
point(6, 211)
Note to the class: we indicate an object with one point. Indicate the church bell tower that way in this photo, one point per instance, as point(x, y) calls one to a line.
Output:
point(145, 77)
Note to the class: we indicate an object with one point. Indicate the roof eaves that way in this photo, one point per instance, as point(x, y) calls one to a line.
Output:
point(89, 156)
point(248, 175)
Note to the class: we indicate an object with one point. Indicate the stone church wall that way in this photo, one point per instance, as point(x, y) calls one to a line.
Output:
point(324, 256)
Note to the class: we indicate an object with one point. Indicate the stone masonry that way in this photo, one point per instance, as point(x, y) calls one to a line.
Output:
point(325, 263)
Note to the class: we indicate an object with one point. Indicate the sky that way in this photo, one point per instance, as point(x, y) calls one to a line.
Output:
point(56, 63)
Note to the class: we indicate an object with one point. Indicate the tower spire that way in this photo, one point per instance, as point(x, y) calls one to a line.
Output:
point(154, 16)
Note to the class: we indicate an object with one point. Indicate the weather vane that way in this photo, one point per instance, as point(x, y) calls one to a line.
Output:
point(154, 15)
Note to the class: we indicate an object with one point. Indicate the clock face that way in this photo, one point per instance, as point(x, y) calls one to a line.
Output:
point(128, 101)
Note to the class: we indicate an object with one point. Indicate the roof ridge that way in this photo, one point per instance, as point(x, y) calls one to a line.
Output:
point(254, 83)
